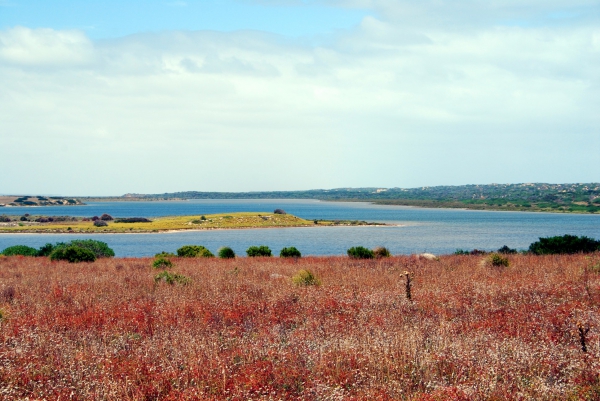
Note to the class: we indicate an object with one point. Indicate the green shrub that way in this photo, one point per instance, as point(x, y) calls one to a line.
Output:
point(498, 260)
point(262, 250)
point(98, 248)
point(100, 223)
point(162, 263)
point(133, 220)
point(73, 254)
point(194, 251)
point(305, 278)
point(46, 250)
point(290, 252)
point(165, 255)
point(226, 253)
point(506, 250)
point(381, 252)
point(171, 278)
point(5, 219)
point(568, 244)
point(22, 250)
point(360, 252)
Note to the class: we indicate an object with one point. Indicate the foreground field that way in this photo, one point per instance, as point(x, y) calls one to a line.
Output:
point(242, 330)
point(172, 223)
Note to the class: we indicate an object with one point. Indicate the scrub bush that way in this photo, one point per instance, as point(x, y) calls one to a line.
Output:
point(506, 250)
point(279, 211)
point(194, 251)
point(262, 250)
point(22, 250)
point(171, 278)
point(360, 252)
point(133, 220)
point(106, 217)
point(290, 252)
point(162, 263)
point(46, 250)
point(565, 244)
point(5, 219)
point(98, 248)
point(305, 278)
point(497, 260)
point(73, 254)
point(226, 253)
point(381, 252)
point(100, 223)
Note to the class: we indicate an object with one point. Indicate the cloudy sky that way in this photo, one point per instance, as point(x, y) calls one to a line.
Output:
point(108, 97)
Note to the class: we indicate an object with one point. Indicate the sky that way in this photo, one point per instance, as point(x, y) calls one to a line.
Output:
point(113, 97)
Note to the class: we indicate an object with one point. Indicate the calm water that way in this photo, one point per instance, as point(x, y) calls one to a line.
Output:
point(438, 231)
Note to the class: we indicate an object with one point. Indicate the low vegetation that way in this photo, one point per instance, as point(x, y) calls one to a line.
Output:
point(360, 252)
point(565, 244)
point(460, 330)
point(226, 253)
point(194, 251)
point(290, 252)
point(261, 250)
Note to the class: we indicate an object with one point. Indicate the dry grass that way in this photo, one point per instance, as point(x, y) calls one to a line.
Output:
point(241, 330)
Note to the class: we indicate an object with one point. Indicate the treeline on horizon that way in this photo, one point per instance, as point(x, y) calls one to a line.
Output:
point(581, 198)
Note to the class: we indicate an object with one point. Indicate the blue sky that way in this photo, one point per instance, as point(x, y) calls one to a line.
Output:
point(104, 98)
point(112, 19)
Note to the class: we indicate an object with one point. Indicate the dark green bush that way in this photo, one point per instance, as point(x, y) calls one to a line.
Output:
point(22, 250)
point(73, 254)
point(360, 252)
point(381, 252)
point(46, 250)
point(262, 250)
point(165, 255)
point(290, 252)
point(5, 219)
point(226, 253)
point(194, 251)
point(100, 223)
point(279, 211)
point(133, 220)
point(568, 244)
point(98, 248)
point(106, 217)
point(506, 250)
point(24, 218)
point(162, 263)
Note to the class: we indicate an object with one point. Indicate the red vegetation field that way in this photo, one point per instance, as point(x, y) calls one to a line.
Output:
point(242, 330)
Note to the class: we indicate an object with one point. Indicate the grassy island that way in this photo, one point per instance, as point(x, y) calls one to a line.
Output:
point(63, 224)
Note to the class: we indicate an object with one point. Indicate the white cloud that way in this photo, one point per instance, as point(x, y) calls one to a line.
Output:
point(385, 104)
point(44, 47)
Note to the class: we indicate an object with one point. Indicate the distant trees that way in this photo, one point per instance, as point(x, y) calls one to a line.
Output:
point(568, 244)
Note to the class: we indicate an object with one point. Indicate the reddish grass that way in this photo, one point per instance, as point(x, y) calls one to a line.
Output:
point(241, 331)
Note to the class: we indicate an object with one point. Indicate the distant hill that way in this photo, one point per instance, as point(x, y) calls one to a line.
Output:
point(578, 198)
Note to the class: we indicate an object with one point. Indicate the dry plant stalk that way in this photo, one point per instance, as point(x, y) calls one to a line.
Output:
point(583, 330)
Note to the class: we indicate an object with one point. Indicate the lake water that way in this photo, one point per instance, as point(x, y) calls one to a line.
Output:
point(439, 231)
